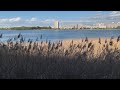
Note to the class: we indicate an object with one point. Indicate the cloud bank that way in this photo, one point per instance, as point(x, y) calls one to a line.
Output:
point(113, 16)
point(18, 21)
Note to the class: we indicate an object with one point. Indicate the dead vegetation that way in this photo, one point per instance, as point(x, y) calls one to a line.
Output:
point(46, 60)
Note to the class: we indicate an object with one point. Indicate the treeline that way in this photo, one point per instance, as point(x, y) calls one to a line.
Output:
point(118, 27)
point(25, 28)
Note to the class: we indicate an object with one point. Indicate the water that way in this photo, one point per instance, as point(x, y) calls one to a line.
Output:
point(55, 35)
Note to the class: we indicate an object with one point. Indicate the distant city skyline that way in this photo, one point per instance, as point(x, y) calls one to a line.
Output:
point(47, 18)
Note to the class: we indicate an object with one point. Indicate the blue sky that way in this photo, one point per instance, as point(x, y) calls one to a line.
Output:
point(47, 18)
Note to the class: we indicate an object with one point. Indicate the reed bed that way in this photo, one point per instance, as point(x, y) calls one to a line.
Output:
point(51, 60)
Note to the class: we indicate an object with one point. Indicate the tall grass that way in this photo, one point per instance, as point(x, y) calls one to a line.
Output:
point(50, 60)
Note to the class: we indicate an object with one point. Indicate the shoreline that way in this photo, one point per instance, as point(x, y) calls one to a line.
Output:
point(76, 45)
point(60, 29)
point(75, 41)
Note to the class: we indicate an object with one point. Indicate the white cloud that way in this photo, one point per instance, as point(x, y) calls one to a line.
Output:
point(3, 20)
point(109, 17)
point(17, 19)
point(115, 15)
point(10, 20)
point(49, 20)
point(33, 19)
point(114, 12)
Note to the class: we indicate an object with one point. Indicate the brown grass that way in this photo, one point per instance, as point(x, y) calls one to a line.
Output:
point(91, 59)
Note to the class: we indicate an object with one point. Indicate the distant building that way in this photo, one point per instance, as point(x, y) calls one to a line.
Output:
point(56, 24)
point(77, 26)
point(100, 25)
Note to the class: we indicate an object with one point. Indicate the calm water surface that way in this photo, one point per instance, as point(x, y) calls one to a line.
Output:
point(54, 35)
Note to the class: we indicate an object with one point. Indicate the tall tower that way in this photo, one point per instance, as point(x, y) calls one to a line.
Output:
point(77, 26)
point(56, 25)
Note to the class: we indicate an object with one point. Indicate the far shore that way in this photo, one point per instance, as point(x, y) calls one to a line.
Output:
point(59, 29)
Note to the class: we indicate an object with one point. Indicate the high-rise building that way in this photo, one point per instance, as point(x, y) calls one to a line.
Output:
point(77, 26)
point(56, 24)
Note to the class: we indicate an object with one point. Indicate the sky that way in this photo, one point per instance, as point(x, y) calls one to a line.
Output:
point(47, 18)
